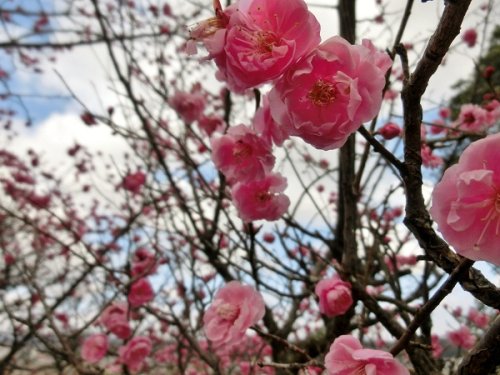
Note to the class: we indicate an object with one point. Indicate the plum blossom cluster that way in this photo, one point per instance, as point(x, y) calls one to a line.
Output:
point(321, 93)
point(115, 319)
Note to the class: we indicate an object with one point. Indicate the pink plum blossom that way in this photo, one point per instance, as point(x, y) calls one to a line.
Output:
point(114, 318)
point(261, 199)
point(328, 94)
point(390, 131)
point(143, 262)
point(462, 338)
point(473, 118)
point(255, 41)
point(444, 112)
point(134, 353)
point(469, 36)
point(466, 203)
point(133, 182)
point(94, 348)
point(347, 357)
point(235, 308)
point(334, 295)
point(241, 155)
point(140, 293)
point(429, 159)
point(189, 106)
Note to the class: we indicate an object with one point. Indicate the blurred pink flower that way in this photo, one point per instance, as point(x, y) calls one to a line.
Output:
point(462, 338)
point(437, 348)
point(469, 36)
point(444, 112)
point(95, 348)
point(466, 203)
point(429, 159)
point(389, 131)
point(347, 357)
point(261, 199)
point(235, 308)
point(210, 124)
point(143, 262)
point(438, 126)
point(493, 109)
point(473, 118)
point(241, 155)
point(266, 127)
point(328, 94)
point(140, 293)
point(334, 295)
point(114, 318)
point(134, 353)
point(133, 182)
point(189, 106)
point(480, 319)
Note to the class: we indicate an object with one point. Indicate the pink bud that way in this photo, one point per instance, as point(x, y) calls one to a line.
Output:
point(390, 131)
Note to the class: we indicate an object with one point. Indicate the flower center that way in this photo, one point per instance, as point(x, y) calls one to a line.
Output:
point(242, 150)
point(322, 93)
point(263, 196)
point(265, 41)
point(228, 311)
point(469, 118)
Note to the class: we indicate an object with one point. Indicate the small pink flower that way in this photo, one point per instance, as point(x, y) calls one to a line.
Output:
point(347, 357)
point(444, 112)
point(261, 199)
point(133, 182)
point(95, 348)
point(473, 118)
point(438, 126)
point(437, 348)
point(189, 106)
point(140, 293)
point(143, 262)
point(135, 352)
point(479, 318)
point(241, 155)
point(493, 109)
point(334, 295)
point(469, 36)
point(235, 308)
point(462, 338)
point(429, 159)
point(88, 118)
point(114, 318)
point(210, 124)
point(328, 94)
point(466, 203)
point(390, 131)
